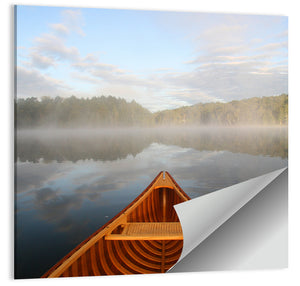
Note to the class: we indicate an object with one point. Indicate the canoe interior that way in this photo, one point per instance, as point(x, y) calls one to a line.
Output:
point(153, 210)
point(102, 254)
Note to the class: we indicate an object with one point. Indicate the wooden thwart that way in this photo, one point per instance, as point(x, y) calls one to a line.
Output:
point(149, 231)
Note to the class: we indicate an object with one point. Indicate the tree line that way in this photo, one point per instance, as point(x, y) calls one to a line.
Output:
point(110, 111)
point(271, 110)
point(79, 112)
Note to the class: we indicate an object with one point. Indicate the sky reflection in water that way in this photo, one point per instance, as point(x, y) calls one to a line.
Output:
point(61, 202)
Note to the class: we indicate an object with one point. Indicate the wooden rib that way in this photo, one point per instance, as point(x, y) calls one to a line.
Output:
point(103, 260)
point(175, 249)
point(66, 273)
point(98, 260)
point(144, 260)
point(170, 261)
point(75, 268)
point(171, 256)
point(150, 215)
point(146, 213)
point(141, 212)
point(175, 252)
point(176, 245)
point(153, 207)
point(149, 253)
point(79, 266)
point(84, 267)
point(157, 204)
point(153, 245)
point(136, 256)
point(163, 257)
point(151, 258)
point(164, 204)
point(171, 244)
point(134, 266)
point(116, 260)
point(94, 263)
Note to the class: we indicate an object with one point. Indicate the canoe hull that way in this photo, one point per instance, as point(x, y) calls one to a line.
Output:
point(119, 247)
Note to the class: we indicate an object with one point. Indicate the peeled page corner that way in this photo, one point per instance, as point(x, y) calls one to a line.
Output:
point(201, 216)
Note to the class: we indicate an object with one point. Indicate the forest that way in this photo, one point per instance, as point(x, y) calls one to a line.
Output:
point(110, 111)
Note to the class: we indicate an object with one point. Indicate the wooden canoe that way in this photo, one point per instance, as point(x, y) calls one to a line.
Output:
point(145, 237)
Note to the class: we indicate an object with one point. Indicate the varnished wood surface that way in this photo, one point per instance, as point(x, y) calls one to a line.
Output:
point(149, 231)
point(152, 237)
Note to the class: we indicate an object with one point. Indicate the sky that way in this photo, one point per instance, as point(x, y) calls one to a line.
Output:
point(160, 59)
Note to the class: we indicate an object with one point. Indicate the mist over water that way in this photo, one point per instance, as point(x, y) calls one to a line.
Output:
point(69, 182)
point(118, 143)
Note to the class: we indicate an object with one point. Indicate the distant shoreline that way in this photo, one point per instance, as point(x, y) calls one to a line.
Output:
point(111, 112)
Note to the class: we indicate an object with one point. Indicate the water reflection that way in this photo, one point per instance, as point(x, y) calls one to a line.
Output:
point(70, 184)
point(104, 145)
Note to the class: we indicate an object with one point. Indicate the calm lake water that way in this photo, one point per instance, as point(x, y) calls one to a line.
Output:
point(70, 182)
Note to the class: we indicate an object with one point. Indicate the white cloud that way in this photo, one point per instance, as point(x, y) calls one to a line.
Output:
point(273, 47)
point(226, 39)
point(85, 78)
point(228, 65)
point(283, 34)
point(50, 48)
point(41, 62)
point(112, 74)
point(60, 28)
point(54, 46)
point(73, 20)
point(32, 83)
point(234, 78)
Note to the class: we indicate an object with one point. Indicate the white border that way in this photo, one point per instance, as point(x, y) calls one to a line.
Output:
point(276, 277)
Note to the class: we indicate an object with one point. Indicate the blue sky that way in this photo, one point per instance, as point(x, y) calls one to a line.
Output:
point(162, 60)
